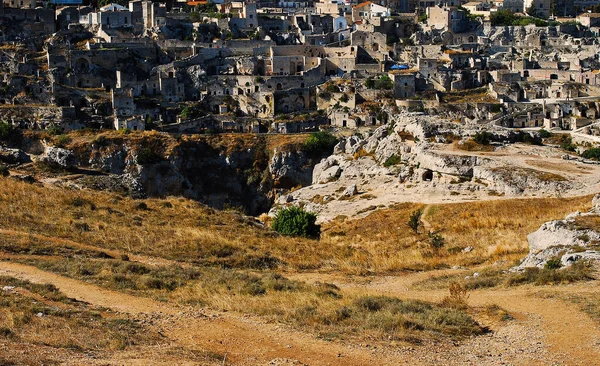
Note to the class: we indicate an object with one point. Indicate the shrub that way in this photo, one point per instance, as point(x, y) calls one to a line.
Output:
point(544, 134)
point(553, 263)
point(457, 299)
point(436, 240)
point(319, 144)
point(7, 132)
point(147, 156)
point(294, 221)
point(392, 160)
point(593, 153)
point(566, 142)
point(483, 138)
point(62, 141)
point(382, 83)
point(414, 220)
point(55, 130)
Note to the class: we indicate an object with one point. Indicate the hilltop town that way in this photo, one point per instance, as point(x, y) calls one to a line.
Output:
point(331, 182)
point(288, 67)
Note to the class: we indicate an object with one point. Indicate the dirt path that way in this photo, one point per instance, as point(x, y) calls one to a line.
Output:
point(154, 261)
point(246, 340)
point(560, 331)
point(547, 330)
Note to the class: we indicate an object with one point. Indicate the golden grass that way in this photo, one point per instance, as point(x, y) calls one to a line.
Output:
point(41, 316)
point(181, 229)
point(497, 230)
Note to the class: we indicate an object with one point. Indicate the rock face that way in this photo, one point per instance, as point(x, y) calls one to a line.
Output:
point(13, 156)
point(290, 169)
point(570, 239)
point(59, 157)
point(217, 172)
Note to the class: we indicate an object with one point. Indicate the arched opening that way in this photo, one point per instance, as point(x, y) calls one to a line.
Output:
point(279, 86)
point(427, 176)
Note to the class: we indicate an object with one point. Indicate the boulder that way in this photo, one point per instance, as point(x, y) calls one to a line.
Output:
point(327, 169)
point(351, 191)
point(59, 157)
point(13, 156)
point(564, 239)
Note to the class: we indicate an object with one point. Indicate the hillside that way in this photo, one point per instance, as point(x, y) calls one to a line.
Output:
point(218, 285)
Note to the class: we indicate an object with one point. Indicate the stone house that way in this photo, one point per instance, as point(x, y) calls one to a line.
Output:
point(589, 19)
point(112, 15)
point(451, 18)
point(370, 12)
point(404, 84)
point(131, 123)
point(20, 4)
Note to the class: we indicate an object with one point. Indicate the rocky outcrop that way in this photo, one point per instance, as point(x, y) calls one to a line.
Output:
point(572, 239)
point(515, 181)
point(59, 157)
point(216, 170)
point(290, 169)
point(13, 156)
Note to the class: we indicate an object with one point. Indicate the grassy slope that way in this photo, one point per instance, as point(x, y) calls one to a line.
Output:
point(235, 259)
point(183, 230)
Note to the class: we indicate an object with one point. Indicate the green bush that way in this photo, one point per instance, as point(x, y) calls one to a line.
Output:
point(553, 263)
point(566, 143)
point(7, 131)
point(507, 18)
point(319, 144)
point(436, 240)
point(544, 134)
point(147, 156)
point(392, 160)
point(483, 138)
point(381, 83)
point(415, 220)
point(294, 221)
point(593, 153)
point(55, 130)
point(62, 141)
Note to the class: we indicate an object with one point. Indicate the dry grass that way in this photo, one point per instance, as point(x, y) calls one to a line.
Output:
point(41, 316)
point(471, 145)
point(497, 277)
point(322, 309)
point(510, 173)
point(497, 230)
point(183, 230)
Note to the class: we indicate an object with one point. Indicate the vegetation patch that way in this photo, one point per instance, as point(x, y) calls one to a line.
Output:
point(294, 221)
point(40, 315)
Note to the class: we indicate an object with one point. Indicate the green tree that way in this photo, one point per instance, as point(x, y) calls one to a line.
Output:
point(319, 144)
point(531, 10)
point(502, 17)
point(436, 240)
point(294, 221)
point(414, 220)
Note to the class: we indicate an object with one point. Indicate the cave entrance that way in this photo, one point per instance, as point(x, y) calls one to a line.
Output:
point(427, 176)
